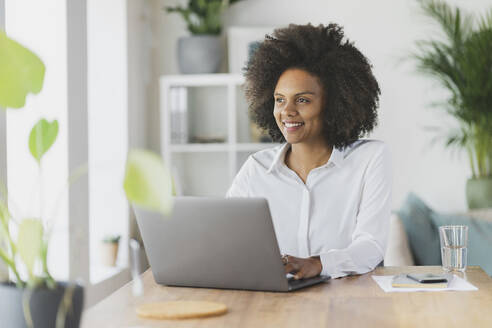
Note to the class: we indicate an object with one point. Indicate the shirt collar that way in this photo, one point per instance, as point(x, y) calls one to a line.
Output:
point(279, 157)
point(336, 157)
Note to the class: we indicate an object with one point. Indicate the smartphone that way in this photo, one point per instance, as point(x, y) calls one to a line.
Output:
point(426, 278)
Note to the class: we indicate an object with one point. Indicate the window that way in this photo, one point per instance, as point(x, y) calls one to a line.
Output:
point(83, 45)
point(108, 130)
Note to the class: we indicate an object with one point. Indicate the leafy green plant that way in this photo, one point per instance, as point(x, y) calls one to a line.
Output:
point(203, 16)
point(462, 64)
point(22, 72)
point(147, 181)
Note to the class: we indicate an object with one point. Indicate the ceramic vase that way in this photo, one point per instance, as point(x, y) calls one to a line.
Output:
point(479, 193)
point(200, 54)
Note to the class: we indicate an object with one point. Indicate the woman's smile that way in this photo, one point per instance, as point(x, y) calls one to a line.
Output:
point(292, 126)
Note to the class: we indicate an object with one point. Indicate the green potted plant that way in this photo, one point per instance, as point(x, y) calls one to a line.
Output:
point(32, 297)
point(462, 64)
point(202, 52)
point(109, 250)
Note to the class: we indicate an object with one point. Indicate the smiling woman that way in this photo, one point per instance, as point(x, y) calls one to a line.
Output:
point(298, 114)
point(350, 91)
point(329, 191)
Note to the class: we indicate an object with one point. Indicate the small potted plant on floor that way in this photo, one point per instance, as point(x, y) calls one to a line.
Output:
point(109, 250)
point(462, 64)
point(30, 297)
point(202, 52)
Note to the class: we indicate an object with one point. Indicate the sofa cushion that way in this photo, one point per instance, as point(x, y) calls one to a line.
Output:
point(421, 224)
point(423, 235)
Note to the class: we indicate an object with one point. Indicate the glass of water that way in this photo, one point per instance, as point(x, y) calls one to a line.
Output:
point(454, 240)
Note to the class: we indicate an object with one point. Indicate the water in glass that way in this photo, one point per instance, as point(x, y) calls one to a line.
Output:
point(453, 258)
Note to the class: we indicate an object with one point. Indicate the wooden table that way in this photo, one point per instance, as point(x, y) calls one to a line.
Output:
point(355, 301)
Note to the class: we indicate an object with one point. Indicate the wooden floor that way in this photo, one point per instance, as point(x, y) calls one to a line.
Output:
point(355, 301)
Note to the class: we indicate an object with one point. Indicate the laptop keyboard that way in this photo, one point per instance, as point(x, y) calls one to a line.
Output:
point(296, 284)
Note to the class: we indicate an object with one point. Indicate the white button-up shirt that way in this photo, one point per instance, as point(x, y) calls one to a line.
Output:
point(342, 211)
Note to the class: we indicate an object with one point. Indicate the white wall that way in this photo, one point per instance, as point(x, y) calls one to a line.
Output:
point(120, 42)
point(108, 124)
point(384, 31)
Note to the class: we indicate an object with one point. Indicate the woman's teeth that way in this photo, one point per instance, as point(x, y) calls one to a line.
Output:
point(291, 125)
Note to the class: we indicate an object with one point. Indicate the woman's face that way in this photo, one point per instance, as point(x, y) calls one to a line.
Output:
point(298, 106)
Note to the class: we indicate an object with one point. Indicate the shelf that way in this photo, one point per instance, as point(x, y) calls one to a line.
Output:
point(215, 105)
point(193, 80)
point(219, 147)
point(100, 272)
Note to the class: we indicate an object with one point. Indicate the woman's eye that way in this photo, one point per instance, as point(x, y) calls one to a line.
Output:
point(279, 100)
point(303, 100)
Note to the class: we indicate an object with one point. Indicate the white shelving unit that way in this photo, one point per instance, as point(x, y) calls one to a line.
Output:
point(233, 147)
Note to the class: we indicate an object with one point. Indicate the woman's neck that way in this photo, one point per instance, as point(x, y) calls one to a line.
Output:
point(302, 158)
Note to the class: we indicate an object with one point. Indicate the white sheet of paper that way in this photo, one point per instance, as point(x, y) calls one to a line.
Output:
point(456, 284)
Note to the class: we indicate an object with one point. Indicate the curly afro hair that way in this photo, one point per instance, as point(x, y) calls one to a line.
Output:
point(350, 90)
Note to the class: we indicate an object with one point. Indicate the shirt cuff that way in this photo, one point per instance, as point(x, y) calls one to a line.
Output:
point(335, 262)
point(339, 263)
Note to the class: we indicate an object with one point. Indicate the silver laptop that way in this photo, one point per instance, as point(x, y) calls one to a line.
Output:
point(216, 243)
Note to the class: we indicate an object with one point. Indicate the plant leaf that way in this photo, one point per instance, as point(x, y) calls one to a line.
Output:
point(4, 222)
point(4, 213)
point(42, 137)
point(147, 181)
point(21, 72)
point(30, 242)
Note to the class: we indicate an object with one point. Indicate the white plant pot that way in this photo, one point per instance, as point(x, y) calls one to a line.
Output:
point(200, 54)
point(108, 253)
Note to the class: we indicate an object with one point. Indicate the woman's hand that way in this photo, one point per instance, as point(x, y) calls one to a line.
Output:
point(302, 268)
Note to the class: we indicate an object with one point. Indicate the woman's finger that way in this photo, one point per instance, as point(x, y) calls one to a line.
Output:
point(299, 274)
point(285, 259)
point(291, 267)
point(306, 270)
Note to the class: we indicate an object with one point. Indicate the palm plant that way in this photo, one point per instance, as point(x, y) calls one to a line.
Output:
point(462, 64)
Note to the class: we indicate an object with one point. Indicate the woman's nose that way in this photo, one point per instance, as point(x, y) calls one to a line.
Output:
point(289, 109)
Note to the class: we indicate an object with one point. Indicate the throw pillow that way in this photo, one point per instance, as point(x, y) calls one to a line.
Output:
point(423, 235)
